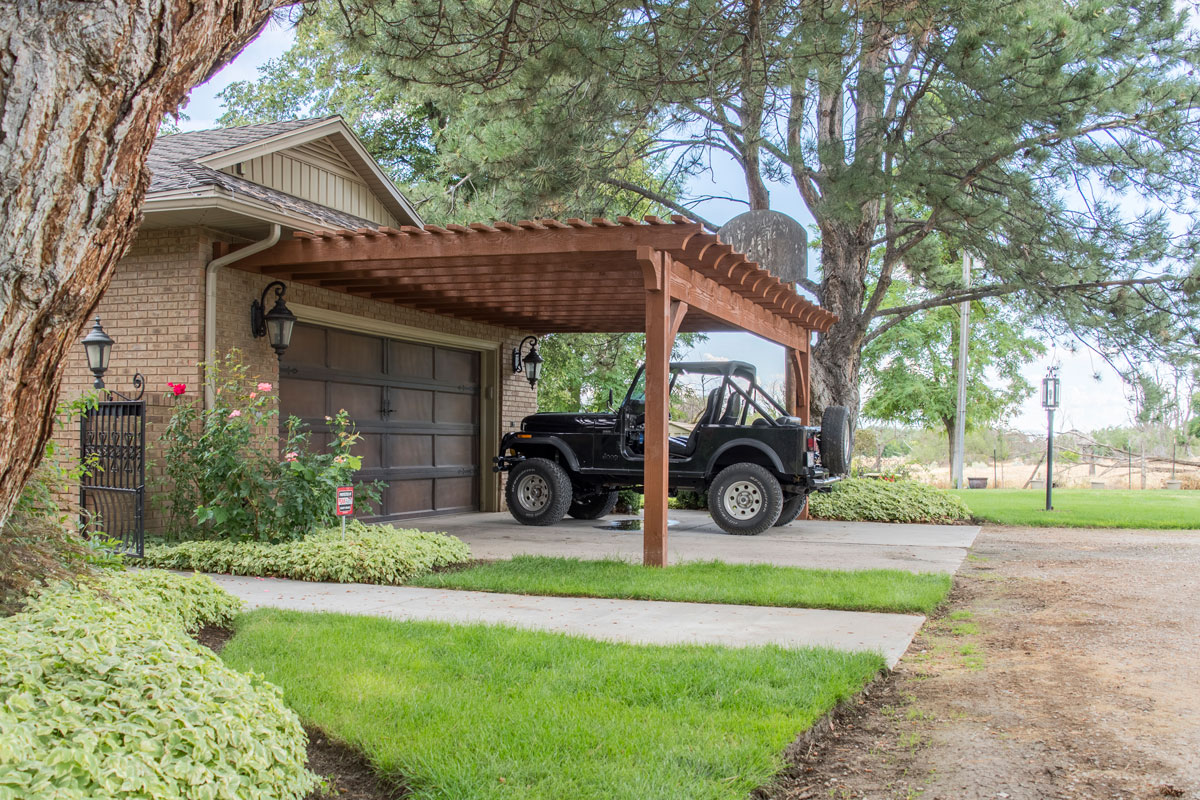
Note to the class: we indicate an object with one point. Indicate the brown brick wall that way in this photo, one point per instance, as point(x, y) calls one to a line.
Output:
point(154, 310)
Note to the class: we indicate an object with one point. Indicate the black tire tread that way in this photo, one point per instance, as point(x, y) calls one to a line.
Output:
point(771, 490)
point(594, 507)
point(835, 444)
point(560, 492)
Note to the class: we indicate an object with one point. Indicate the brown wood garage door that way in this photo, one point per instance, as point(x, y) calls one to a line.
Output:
point(416, 406)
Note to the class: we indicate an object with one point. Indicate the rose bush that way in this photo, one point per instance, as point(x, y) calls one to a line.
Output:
point(227, 476)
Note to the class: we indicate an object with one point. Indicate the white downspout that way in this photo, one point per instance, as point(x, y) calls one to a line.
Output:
point(210, 297)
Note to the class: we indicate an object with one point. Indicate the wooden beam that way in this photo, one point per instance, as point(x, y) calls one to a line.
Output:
point(679, 310)
point(655, 467)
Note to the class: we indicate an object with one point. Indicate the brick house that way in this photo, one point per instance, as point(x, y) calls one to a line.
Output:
point(430, 394)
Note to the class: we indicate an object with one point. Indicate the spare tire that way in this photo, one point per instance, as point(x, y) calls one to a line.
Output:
point(835, 440)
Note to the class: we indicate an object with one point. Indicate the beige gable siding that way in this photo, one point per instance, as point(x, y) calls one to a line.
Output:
point(317, 172)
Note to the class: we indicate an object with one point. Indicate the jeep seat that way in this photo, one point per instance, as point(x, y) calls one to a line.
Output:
point(681, 446)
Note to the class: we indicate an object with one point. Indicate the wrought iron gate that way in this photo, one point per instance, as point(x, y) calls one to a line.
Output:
point(112, 496)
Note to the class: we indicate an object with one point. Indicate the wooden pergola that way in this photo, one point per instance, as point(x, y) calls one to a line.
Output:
point(547, 276)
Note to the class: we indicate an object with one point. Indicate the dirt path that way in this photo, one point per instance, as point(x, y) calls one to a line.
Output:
point(1067, 666)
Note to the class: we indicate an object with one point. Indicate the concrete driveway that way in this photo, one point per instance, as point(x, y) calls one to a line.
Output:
point(692, 536)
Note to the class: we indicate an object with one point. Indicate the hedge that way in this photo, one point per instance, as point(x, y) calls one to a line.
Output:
point(368, 554)
point(871, 500)
point(103, 694)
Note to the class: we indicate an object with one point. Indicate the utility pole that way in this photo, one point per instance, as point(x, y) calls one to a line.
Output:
point(960, 416)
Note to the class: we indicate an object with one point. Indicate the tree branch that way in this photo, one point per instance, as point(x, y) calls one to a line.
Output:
point(661, 199)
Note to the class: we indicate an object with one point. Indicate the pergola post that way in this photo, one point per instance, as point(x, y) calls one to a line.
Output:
point(658, 355)
point(795, 383)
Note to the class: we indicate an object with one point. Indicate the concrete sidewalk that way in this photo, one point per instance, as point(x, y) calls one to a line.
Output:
point(637, 621)
point(693, 536)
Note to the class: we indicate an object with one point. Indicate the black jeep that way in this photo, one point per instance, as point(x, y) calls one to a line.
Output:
point(757, 464)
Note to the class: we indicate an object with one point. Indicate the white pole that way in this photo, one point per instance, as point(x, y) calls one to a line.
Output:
point(960, 416)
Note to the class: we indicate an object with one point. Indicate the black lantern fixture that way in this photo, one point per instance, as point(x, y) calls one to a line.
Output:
point(98, 347)
point(276, 324)
point(1050, 398)
point(531, 364)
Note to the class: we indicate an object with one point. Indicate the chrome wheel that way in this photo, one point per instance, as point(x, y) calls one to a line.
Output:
point(743, 500)
point(533, 492)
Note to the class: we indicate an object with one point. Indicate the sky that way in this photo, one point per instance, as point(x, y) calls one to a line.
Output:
point(1087, 403)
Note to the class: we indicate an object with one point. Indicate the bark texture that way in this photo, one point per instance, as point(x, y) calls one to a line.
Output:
point(84, 85)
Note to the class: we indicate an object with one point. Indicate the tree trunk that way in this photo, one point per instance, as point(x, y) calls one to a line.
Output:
point(950, 437)
point(837, 356)
point(83, 88)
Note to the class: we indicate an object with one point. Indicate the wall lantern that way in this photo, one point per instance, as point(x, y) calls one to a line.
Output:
point(1050, 389)
point(531, 364)
point(98, 346)
point(276, 324)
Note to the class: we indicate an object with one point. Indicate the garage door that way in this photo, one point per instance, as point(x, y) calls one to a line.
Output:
point(416, 406)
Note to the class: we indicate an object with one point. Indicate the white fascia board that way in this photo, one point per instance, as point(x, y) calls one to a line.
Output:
point(212, 197)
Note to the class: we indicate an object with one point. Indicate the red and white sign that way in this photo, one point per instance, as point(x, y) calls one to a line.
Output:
point(345, 501)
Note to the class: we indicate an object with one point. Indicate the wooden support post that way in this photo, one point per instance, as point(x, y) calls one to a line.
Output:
point(658, 355)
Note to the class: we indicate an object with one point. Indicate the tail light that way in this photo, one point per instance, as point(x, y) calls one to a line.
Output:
point(812, 443)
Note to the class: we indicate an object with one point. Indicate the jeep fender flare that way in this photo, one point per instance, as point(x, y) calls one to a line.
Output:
point(549, 441)
point(753, 444)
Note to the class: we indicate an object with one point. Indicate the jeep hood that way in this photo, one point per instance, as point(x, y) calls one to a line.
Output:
point(567, 423)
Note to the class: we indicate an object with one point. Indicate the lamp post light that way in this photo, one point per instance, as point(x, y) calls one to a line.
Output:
point(531, 364)
point(276, 324)
point(1051, 387)
point(98, 347)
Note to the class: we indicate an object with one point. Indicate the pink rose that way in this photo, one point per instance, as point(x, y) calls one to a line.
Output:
point(264, 387)
point(292, 456)
point(234, 413)
point(339, 460)
point(253, 395)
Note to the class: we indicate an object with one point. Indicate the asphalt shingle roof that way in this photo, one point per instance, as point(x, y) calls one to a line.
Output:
point(173, 167)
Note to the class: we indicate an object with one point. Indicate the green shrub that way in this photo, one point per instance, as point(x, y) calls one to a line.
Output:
point(368, 554)
point(106, 696)
point(868, 500)
point(229, 477)
point(692, 501)
point(629, 501)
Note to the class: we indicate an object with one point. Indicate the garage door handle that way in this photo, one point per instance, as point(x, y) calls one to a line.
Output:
point(387, 412)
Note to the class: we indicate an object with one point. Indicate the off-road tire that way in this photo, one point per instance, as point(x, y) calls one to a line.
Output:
point(538, 492)
point(749, 490)
point(835, 440)
point(593, 506)
point(792, 506)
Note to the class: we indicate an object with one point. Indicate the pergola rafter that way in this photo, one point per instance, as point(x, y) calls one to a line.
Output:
point(550, 276)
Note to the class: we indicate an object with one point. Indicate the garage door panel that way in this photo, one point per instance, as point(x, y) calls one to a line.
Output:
point(307, 348)
point(301, 398)
point(407, 360)
point(457, 366)
point(404, 497)
point(451, 407)
point(455, 493)
point(361, 402)
point(456, 451)
point(411, 405)
point(409, 451)
point(370, 449)
point(351, 352)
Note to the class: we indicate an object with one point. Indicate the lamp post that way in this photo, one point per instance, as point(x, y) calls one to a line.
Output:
point(98, 347)
point(531, 364)
point(276, 324)
point(1050, 395)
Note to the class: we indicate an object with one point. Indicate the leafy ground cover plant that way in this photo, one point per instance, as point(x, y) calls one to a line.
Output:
point(227, 476)
point(367, 554)
point(475, 712)
point(104, 695)
point(703, 582)
point(869, 500)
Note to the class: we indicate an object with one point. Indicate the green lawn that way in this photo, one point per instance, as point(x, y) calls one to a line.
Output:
point(1086, 508)
point(466, 712)
point(703, 582)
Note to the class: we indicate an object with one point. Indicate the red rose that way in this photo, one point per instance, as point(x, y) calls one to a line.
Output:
point(178, 388)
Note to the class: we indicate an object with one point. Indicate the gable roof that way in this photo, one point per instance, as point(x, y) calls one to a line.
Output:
point(194, 159)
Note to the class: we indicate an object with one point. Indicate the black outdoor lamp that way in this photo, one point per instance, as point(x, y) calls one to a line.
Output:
point(276, 324)
point(98, 346)
point(1051, 386)
point(531, 364)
